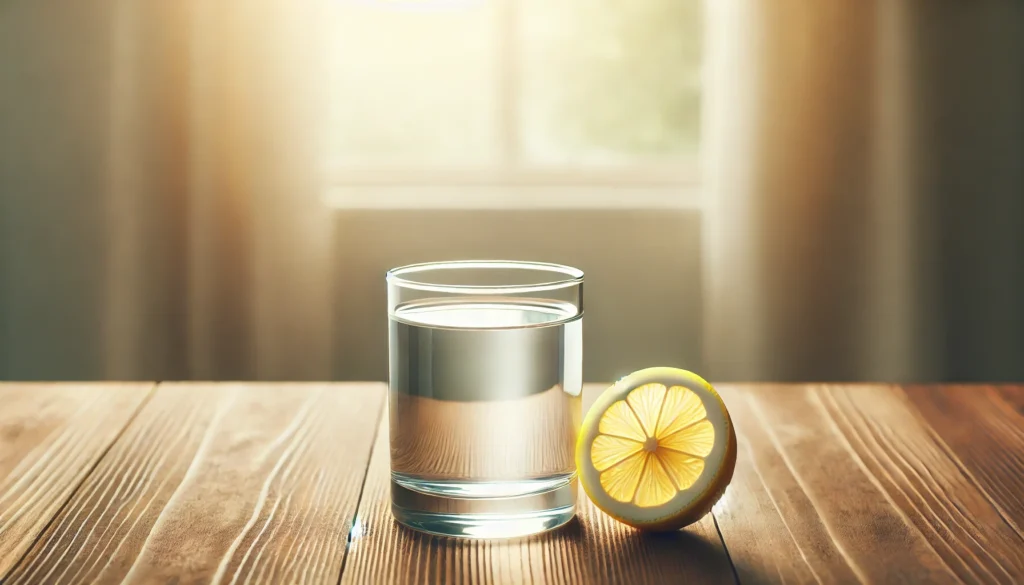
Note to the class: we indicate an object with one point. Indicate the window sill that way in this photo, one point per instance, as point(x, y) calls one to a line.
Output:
point(638, 188)
point(513, 197)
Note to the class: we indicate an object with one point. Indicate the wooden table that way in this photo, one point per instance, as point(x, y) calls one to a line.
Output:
point(288, 483)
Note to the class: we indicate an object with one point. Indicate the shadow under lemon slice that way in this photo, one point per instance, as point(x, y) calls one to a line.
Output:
point(657, 449)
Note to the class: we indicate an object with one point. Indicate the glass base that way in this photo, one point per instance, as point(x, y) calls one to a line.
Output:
point(483, 509)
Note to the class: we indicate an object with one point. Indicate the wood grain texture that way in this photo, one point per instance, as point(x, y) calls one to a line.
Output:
point(51, 435)
point(218, 483)
point(771, 525)
point(982, 430)
point(866, 494)
point(251, 483)
point(896, 447)
point(592, 549)
point(764, 546)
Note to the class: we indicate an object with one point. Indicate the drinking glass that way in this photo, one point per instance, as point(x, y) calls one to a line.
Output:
point(486, 361)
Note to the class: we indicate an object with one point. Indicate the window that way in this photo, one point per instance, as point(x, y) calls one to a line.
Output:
point(498, 103)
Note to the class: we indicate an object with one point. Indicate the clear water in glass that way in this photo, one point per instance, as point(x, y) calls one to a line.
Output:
point(485, 398)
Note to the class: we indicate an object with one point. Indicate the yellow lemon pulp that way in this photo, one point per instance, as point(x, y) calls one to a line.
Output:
point(656, 438)
point(651, 455)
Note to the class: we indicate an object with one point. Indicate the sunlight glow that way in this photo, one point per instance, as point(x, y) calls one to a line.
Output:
point(722, 505)
point(355, 533)
point(507, 529)
point(417, 5)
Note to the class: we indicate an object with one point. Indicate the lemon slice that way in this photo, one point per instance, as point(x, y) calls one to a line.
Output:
point(657, 449)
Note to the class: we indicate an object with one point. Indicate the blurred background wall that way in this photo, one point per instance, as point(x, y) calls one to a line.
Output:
point(213, 190)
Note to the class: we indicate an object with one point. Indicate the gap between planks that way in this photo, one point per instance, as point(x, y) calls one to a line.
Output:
point(301, 423)
point(149, 389)
point(362, 490)
point(903, 500)
point(591, 549)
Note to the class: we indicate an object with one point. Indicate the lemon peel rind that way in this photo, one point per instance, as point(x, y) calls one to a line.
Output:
point(690, 504)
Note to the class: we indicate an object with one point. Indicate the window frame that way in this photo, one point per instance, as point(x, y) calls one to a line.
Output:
point(671, 182)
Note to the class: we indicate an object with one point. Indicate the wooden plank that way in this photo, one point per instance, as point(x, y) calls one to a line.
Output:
point(899, 451)
point(850, 503)
point(51, 435)
point(1013, 395)
point(592, 549)
point(982, 429)
point(764, 546)
point(771, 526)
point(223, 483)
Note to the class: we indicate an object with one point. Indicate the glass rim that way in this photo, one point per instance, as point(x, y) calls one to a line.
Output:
point(399, 276)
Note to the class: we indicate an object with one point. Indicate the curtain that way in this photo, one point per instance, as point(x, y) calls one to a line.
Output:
point(196, 216)
point(865, 174)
